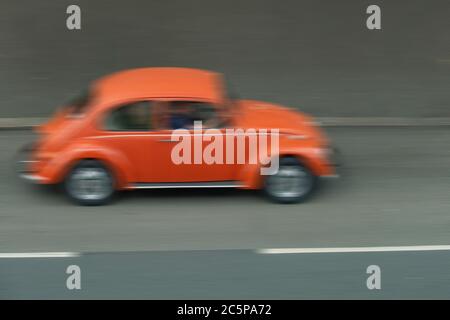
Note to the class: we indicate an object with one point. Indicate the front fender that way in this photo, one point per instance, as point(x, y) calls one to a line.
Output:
point(251, 177)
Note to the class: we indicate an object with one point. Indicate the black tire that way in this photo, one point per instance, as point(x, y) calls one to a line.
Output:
point(303, 182)
point(86, 176)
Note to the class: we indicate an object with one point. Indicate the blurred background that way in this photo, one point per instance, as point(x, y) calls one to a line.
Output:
point(314, 55)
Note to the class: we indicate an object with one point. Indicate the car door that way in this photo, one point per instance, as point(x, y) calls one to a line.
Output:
point(196, 152)
point(129, 129)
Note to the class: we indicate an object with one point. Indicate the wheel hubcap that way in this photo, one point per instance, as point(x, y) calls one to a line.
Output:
point(289, 181)
point(90, 184)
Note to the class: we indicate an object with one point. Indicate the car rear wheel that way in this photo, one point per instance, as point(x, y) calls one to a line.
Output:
point(293, 182)
point(89, 183)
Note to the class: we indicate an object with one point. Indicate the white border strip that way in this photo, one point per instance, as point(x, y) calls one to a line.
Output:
point(354, 249)
point(40, 255)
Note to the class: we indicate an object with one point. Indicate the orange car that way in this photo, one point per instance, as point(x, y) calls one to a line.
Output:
point(176, 128)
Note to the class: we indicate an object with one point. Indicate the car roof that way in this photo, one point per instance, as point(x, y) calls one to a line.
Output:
point(160, 82)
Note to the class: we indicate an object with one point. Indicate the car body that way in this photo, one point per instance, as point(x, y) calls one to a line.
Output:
point(91, 132)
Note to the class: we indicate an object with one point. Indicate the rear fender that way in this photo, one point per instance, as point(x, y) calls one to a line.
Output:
point(57, 168)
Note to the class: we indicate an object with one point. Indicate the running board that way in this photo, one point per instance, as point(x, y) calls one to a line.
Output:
point(170, 185)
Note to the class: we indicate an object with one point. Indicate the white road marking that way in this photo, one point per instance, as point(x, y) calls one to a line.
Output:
point(14, 255)
point(354, 249)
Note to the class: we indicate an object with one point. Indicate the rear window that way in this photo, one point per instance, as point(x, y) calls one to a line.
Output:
point(78, 105)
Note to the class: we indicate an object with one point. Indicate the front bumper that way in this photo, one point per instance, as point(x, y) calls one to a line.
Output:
point(335, 157)
point(334, 161)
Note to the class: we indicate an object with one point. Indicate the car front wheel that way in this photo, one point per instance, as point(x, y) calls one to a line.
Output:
point(89, 183)
point(293, 182)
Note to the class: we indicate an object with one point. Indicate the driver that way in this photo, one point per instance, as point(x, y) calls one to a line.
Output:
point(181, 115)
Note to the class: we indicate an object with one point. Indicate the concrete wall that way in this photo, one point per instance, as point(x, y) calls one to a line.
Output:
point(312, 54)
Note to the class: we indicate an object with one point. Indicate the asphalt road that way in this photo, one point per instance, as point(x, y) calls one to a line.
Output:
point(394, 191)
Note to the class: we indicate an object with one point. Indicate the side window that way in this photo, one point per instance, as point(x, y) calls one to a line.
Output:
point(183, 114)
point(130, 117)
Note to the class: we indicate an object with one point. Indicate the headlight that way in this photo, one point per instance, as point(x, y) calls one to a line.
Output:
point(323, 152)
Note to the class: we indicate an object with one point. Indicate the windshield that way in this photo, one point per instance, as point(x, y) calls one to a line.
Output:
point(231, 93)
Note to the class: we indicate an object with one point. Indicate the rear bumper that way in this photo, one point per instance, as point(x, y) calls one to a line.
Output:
point(32, 178)
point(23, 164)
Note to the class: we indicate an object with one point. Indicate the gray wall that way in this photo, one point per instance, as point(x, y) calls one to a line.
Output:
point(312, 54)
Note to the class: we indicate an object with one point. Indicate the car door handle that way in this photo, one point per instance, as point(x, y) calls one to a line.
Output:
point(167, 140)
